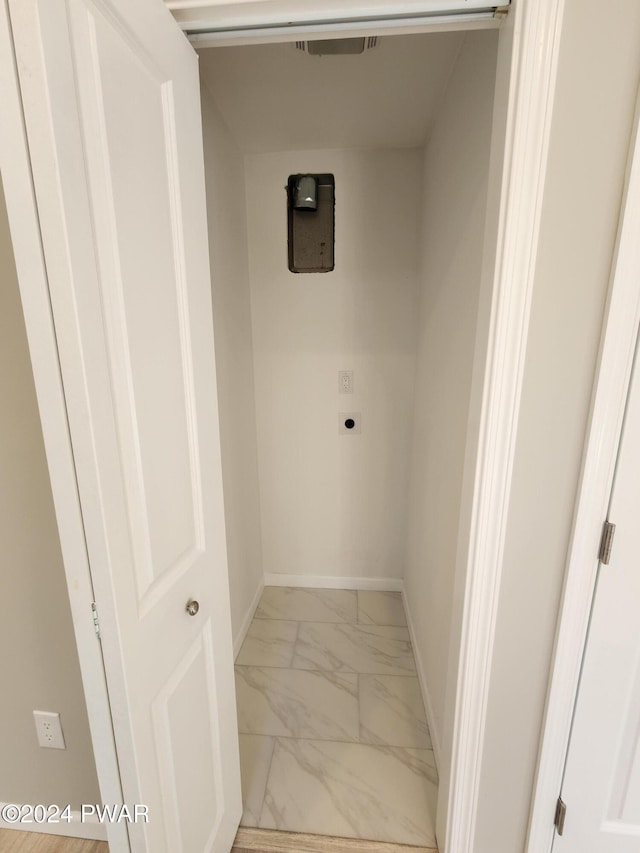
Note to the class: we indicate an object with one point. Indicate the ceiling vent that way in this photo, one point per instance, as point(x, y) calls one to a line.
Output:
point(338, 47)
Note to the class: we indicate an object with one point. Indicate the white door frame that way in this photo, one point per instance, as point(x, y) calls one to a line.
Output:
point(617, 348)
point(34, 291)
point(533, 28)
point(233, 22)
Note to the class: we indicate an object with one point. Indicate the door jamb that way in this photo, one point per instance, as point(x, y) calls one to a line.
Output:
point(229, 21)
point(509, 266)
point(536, 30)
point(32, 277)
point(608, 403)
point(314, 31)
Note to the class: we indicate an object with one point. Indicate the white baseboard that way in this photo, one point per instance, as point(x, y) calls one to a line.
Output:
point(90, 828)
point(428, 706)
point(238, 639)
point(328, 582)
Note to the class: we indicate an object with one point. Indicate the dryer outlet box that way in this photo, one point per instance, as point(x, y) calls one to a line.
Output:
point(349, 423)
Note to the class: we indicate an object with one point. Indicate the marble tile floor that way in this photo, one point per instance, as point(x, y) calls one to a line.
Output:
point(333, 733)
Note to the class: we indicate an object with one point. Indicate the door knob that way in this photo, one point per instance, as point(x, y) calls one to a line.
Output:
point(192, 607)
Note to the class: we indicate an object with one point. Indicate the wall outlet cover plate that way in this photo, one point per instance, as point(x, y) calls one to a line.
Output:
point(49, 729)
point(345, 381)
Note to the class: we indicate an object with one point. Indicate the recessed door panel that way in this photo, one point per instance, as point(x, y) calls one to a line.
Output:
point(624, 803)
point(191, 774)
point(143, 283)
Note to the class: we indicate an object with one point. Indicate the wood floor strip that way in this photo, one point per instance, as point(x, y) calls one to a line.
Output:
point(14, 841)
point(272, 841)
point(246, 841)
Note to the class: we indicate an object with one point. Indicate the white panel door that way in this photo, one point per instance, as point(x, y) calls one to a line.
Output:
point(601, 787)
point(112, 107)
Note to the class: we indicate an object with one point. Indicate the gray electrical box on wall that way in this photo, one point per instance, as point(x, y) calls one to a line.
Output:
point(311, 222)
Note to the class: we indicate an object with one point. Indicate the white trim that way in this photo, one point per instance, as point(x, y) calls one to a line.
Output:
point(277, 10)
point(536, 28)
point(241, 14)
point(238, 639)
point(221, 23)
point(301, 32)
point(89, 828)
point(25, 234)
point(607, 413)
point(328, 582)
point(422, 679)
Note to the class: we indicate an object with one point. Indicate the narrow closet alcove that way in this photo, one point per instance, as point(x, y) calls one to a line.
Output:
point(342, 544)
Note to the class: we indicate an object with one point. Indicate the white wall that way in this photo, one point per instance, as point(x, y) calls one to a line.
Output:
point(275, 97)
point(40, 669)
point(455, 191)
point(598, 74)
point(335, 505)
point(224, 171)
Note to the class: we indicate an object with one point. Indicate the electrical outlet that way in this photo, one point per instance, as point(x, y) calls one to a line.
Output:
point(349, 423)
point(49, 730)
point(345, 381)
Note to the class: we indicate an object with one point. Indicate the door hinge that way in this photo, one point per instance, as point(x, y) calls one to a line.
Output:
point(606, 542)
point(96, 621)
point(561, 813)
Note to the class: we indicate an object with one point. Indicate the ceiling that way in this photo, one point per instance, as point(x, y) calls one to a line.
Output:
point(275, 97)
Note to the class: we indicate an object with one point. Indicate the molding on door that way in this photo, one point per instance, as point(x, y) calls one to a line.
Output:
point(536, 35)
point(32, 277)
point(609, 398)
